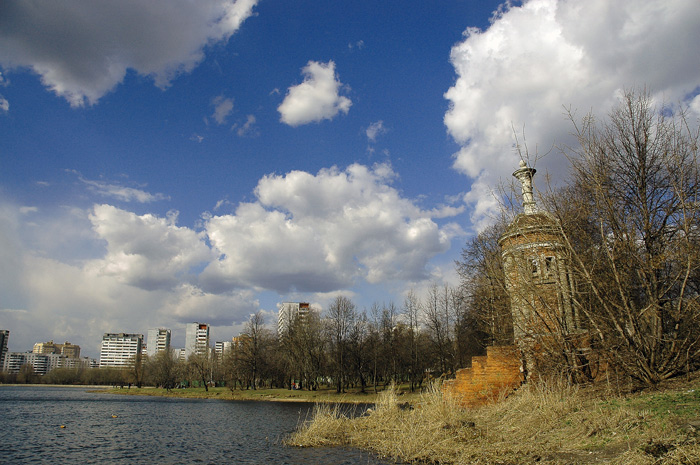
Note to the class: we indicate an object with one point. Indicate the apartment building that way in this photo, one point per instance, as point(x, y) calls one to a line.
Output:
point(41, 363)
point(67, 349)
point(288, 313)
point(196, 339)
point(4, 337)
point(158, 341)
point(120, 349)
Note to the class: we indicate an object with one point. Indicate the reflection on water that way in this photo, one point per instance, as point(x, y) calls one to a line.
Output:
point(104, 428)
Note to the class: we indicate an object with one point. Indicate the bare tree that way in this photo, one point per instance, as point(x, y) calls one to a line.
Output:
point(304, 350)
point(200, 365)
point(252, 348)
point(341, 317)
point(438, 319)
point(639, 170)
point(358, 342)
point(412, 311)
point(164, 369)
point(486, 312)
point(136, 370)
point(391, 342)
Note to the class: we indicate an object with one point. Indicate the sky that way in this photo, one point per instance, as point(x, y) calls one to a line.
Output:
point(172, 161)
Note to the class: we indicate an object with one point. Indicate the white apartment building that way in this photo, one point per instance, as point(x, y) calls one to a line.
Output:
point(221, 348)
point(120, 349)
point(196, 339)
point(288, 312)
point(158, 341)
point(41, 363)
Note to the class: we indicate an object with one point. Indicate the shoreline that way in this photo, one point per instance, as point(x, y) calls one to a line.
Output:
point(86, 386)
point(260, 395)
point(322, 396)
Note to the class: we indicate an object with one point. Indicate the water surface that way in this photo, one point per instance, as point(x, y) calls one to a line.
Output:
point(106, 428)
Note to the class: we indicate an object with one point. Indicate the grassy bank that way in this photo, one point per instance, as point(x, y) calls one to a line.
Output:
point(278, 395)
point(537, 424)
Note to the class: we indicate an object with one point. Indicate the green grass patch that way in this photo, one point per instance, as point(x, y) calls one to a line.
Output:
point(324, 395)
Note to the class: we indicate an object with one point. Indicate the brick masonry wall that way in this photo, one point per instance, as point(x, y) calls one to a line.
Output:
point(490, 377)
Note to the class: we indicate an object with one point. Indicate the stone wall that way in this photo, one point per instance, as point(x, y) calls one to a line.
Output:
point(490, 377)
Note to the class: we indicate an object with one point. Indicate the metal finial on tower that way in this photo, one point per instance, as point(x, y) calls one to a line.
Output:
point(524, 175)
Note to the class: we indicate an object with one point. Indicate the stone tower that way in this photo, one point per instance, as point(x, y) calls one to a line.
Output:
point(538, 278)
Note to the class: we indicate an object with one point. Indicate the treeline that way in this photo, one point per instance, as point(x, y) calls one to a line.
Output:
point(77, 376)
point(629, 220)
point(341, 347)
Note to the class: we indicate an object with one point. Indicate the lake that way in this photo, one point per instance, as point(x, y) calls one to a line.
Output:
point(112, 429)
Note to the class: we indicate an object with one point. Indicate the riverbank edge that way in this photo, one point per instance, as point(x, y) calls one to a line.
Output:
point(264, 395)
point(84, 386)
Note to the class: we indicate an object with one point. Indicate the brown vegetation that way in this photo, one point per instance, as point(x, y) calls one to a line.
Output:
point(556, 424)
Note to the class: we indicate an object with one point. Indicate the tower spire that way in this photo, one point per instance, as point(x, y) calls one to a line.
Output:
point(524, 175)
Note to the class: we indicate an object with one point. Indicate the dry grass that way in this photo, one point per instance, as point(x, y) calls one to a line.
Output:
point(538, 424)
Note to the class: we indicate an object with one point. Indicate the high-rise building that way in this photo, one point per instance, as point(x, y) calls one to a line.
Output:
point(288, 313)
point(158, 341)
point(4, 337)
point(196, 339)
point(45, 348)
point(221, 348)
point(41, 363)
point(120, 349)
point(67, 349)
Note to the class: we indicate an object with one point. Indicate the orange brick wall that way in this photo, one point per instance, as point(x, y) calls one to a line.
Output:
point(490, 376)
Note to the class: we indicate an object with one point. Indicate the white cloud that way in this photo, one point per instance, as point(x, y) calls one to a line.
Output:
point(146, 251)
point(222, 108)
point(123, 193)
point(545, 55)
point(82, 50)
point(189, 303)
point(4, 104)
point(316, 98)
point(28, 209)
point(46, 296)
point(360, 44)
point(318, 233)
point(248, 128)
point(374, 130)
point(74, 274)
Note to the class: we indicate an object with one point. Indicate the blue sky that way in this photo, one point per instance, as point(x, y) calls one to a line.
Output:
point(176, 161)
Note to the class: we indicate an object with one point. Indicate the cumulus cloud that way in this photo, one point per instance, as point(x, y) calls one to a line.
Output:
point(304, 233)
point(189, 303)
point(222, 108)
point(545, 55)
point(82, 50)
point(318, 233)
point(4, 105)
point(315, 99)
point(146, 251)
